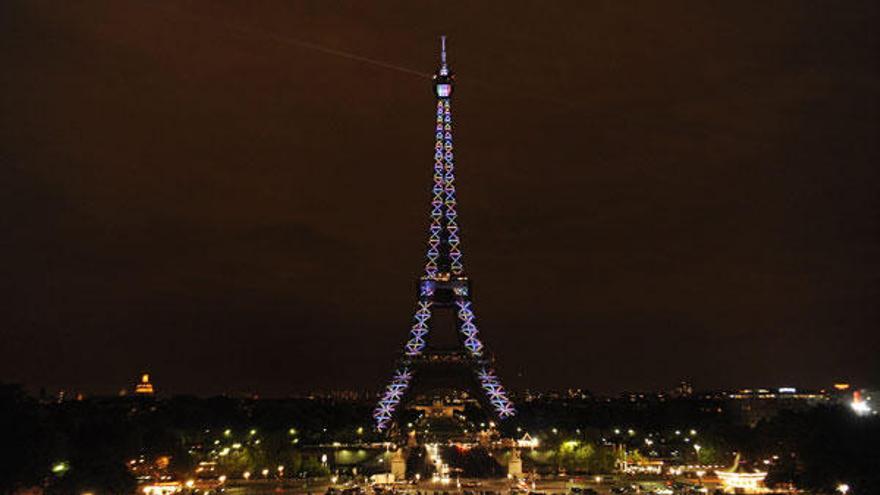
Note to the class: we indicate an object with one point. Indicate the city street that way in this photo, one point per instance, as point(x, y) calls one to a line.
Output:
point(470, 486)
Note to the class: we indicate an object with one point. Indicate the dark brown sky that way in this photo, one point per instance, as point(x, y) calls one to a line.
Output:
point(649, 191)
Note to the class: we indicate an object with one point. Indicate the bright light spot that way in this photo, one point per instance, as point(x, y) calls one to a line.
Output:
point(292, 431)
point(860, 407)
point(222, 478)
point(227, 432)
point(323, 458)
point(190, 483)
point(265, 472)
point(843, 488)
point(246, 475)
point(693, 432)
point(60, 467)
point(253, 432)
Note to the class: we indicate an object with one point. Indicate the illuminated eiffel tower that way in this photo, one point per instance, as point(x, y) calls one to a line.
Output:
point(445, 287)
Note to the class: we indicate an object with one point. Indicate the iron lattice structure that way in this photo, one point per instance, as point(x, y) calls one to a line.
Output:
point(444, 284)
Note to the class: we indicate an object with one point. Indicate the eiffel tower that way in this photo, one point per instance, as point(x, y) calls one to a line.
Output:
point(444, 287)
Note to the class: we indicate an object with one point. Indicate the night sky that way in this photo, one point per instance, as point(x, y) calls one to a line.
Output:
point(235, 196)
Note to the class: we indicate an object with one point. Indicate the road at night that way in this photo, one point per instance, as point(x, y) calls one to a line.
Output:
point(468, 486)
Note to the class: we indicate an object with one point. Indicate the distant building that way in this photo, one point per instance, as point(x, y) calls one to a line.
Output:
point(144, 387)
point(439, 409)
point(763, 403)
point(683, 390)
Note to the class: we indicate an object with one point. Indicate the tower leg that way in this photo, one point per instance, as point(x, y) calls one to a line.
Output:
point(383, 415)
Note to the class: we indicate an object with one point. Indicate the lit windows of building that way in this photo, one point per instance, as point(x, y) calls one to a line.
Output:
point(755, 404)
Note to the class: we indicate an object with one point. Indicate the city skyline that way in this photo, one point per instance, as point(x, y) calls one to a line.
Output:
point(235, 200)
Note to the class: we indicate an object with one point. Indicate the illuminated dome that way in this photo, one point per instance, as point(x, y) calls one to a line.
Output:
point(144, 387)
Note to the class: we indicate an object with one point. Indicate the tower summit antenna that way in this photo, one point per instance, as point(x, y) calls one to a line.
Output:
point(443, 79)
